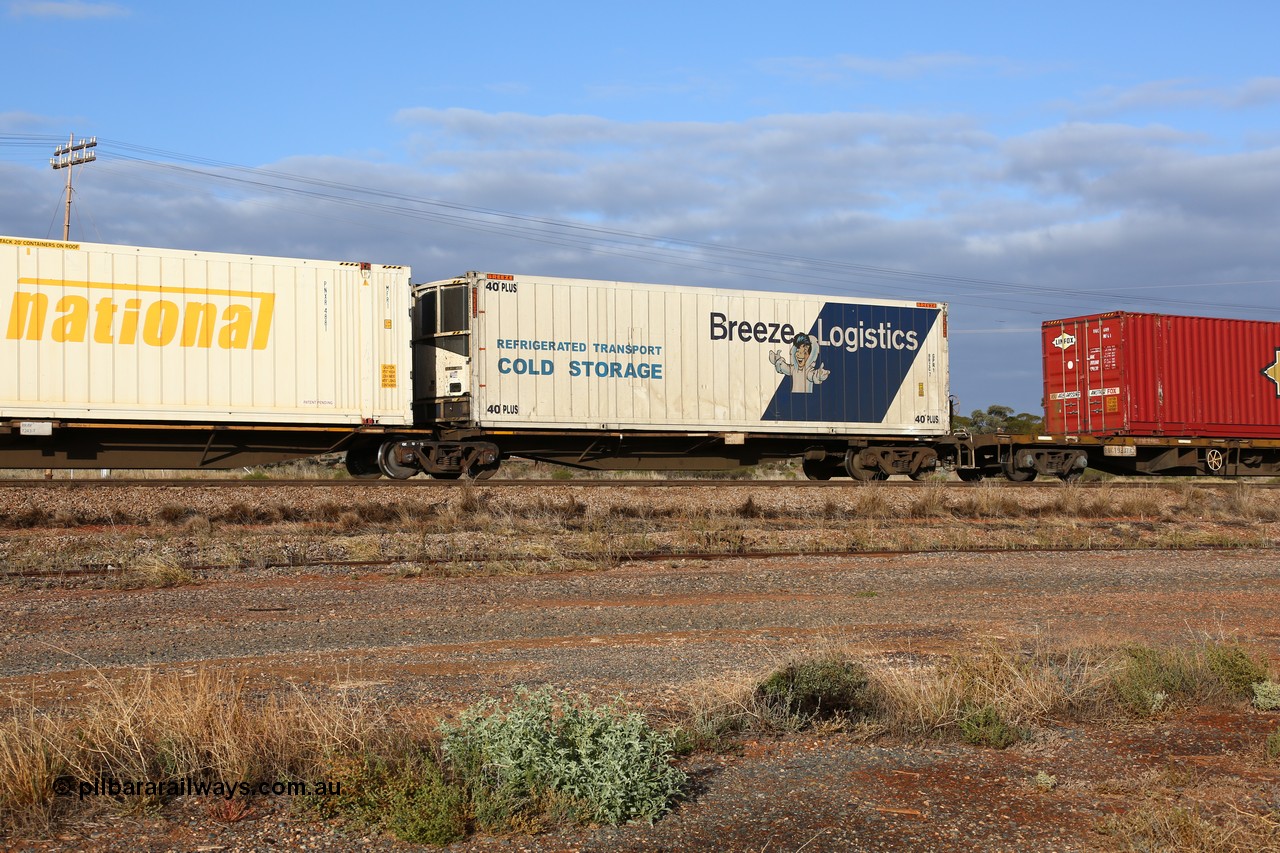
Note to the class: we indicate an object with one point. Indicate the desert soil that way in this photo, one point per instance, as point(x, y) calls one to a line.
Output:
point(658, 633)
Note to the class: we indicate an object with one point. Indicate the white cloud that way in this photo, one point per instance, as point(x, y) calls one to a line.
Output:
point(1259, 91)
point(1184, 93)
point(1076, 210)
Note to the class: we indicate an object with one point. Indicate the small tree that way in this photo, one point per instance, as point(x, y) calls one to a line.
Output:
point(999, 418)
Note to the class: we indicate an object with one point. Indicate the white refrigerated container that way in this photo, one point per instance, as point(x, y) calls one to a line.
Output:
point(125, 333)
point(504, 351)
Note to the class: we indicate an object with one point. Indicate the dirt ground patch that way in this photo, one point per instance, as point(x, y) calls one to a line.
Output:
point(655, 633)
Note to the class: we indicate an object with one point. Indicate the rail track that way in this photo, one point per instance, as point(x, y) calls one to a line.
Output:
point(427, 483)
point(403, 561)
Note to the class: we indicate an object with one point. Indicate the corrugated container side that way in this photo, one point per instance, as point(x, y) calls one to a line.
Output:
point(1153, 374)
point(109, 332)
point(569, 353)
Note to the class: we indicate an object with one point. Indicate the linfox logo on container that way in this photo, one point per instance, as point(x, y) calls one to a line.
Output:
point(849, 338)
point(234, 319)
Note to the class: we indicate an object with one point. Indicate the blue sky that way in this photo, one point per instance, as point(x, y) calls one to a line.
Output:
point(1023, 161)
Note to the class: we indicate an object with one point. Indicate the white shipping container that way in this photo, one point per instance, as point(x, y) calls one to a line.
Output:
point(555, 353)
point(94, 331)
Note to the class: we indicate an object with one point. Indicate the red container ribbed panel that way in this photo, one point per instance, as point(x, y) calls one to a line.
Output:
point(1154, 374)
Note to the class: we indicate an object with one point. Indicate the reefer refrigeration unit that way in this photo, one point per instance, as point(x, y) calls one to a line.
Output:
point(1141, 374)
point(124, 335)
point(519, 354)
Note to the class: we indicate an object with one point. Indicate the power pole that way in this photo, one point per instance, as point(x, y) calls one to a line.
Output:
point(65, 157)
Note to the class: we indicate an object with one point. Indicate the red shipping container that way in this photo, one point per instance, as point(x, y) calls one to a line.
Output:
point(1154, 374)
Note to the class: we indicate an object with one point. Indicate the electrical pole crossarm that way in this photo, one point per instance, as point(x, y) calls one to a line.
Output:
point(64, 157)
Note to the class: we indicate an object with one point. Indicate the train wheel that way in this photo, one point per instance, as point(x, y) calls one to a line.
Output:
point(393, 469)
point(362, 462)
point(1017, 475)
point(482, 472)
point(815, 470)
point(1215, 461)
point(860, 471)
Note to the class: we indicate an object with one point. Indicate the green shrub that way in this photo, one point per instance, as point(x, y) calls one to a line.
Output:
point(1149, 680)
point(548, 758)
point(820, 687)
point(1273, 745)
point(409, 798)
point(1235, 668)
point(985, 727)
point(424, 810)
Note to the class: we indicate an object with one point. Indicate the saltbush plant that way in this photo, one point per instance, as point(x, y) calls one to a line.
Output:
point(1266, 695)
point(546, 758)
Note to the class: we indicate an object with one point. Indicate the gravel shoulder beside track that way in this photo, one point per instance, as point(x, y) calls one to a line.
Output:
point(656, 633)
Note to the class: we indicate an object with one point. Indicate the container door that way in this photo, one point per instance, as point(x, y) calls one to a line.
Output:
point(1064, 376)
point(1084, 375)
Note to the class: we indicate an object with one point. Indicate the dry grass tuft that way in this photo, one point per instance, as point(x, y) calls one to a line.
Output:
point(988, 501)
point(154, 571)
point(931, 504)
point(30, 765)
point(872, 503)
point(1166, 825)
point(992, 696)
point(202, 726)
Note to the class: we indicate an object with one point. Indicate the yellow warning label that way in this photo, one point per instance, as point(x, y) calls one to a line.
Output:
point(388, 376)
point(39, 244)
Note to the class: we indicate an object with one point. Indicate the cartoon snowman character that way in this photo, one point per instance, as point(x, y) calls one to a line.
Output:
point(804, 369)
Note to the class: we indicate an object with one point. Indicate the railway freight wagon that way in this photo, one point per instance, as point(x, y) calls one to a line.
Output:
point(604, 374)
point(1141, 393)
point(122, 356)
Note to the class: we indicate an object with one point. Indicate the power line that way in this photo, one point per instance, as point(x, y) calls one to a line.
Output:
point(686, 253)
